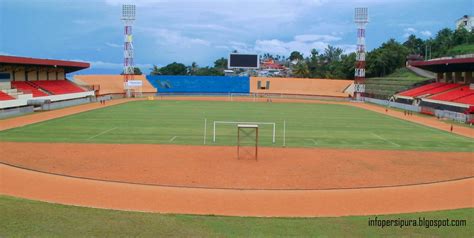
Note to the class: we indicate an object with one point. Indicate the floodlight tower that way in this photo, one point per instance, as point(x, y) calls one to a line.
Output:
point(128, 17)
point(361, 18)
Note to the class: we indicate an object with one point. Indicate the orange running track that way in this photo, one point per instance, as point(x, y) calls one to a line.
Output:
point(288, 203)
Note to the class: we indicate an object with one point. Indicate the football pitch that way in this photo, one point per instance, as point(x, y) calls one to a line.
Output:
point(192, 123)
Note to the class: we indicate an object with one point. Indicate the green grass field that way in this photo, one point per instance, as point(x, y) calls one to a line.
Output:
point(182, 122)
point(25, 218)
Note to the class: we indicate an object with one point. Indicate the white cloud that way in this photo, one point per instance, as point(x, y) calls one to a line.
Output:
point(136, 2)
point(212, 27)
point(275, 46)
point(314, 37)
point(301, 43)
point(109, 65)
point(412, 31)
point(171, 38)
point(426, 33)
point(409, 31)
point(113, 45)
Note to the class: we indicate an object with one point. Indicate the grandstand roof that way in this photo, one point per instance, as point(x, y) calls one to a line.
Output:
point(446, 65)
point(69, 66)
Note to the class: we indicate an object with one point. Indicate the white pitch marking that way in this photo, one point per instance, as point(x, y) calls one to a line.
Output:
point(172, 139)
point(314, 141)
point(106, 131)
point(393, 143)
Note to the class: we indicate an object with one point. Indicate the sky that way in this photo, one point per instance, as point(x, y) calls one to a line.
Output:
point(202, 31)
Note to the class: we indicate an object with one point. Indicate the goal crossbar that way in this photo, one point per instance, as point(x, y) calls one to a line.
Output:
point(248, 95)
point(243, 123)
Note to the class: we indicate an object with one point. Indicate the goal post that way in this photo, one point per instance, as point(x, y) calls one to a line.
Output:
point(247, 141)
point(234, 96)
point(215, 123)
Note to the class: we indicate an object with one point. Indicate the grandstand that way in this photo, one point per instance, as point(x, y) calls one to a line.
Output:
point(453, 90)
point(430, 89)
point(253, 85)
point(23, 79)
point(200, 84)
point(4, 96)
point(302, 86)
point(384, 88)
point(111, 84)
point(28, 87)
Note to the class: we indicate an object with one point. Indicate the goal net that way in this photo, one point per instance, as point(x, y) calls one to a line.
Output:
point(247, 142)
point(268, 124)
point(242, 97)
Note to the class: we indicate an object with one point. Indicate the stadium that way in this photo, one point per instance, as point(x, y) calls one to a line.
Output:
point(237, 147)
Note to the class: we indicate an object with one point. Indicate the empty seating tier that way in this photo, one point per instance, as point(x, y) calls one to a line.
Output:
point(4, 96)
point(454, 94)
point(27, 87)
point(58, 86)
point(430, 89)
point(466, 100)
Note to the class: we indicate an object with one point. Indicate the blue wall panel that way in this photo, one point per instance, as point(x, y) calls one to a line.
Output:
point(200, 84)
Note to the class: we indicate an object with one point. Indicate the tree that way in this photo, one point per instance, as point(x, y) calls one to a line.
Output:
point(192, 69)
point(332, 54)
point(209, 71)
point(347, 66)
point(155, 70)
point(385, 59)
point(415, 45)
point(136, 71)
point(173, 69)
point(442, 43)
point(301, 70)
point(462, 36)
point(220, 63)
point(312, 62)
point(295, 55)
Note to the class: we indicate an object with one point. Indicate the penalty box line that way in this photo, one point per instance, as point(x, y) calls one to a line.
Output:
point(380, 137)
point(102, 133)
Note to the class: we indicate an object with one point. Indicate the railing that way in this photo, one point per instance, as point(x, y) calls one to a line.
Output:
point(259, 95)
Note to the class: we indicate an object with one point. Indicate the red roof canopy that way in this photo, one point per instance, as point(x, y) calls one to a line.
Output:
point(446, 65)
point(69, 66)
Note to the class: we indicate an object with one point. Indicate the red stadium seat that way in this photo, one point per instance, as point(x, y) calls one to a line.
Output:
point(454, 94)
point(430, 89)
point(419, 91)
point(27, 87)
point(4, 96)
point(58, 86)
point(466, 100)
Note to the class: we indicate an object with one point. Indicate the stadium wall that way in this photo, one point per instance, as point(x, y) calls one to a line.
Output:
point(112, 84)
point(398, 105)
point(68, 103)
point(17, 111)
point(199, 84)
point(302, 86)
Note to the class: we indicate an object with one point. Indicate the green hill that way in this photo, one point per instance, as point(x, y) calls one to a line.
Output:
point(400, 80)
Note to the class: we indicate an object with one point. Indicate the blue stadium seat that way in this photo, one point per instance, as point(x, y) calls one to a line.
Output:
point(200, 84)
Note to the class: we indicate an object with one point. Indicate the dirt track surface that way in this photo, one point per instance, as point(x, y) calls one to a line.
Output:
point(316, 169)
point(58, 189)
point(218, 167)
